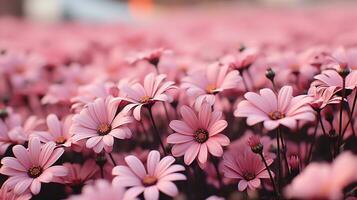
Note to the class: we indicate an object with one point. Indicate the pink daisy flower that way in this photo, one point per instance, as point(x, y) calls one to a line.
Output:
point(32, 166)
point(323, 98)
point(245, 166)
point(152, 56)
point(323, 180)
point(98, 124)
point(58, 131)
point(204, 84)
point(100, 190)
point(275, 110)
point(153, 90)
point(197, 134)
point(78, 174)
point(158, 176)
point(331, 78)
point(6, 194)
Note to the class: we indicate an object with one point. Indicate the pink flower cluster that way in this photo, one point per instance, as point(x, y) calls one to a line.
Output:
point(126, 113)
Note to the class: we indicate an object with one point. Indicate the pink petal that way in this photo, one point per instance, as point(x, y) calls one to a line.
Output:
point(34, 150)
point(202, 155)
point(191, 153)
point(136, 165)
point(35, 187)
point(168, 188)
point(108, 140)
point(176, 138)
point(22, 155)
point(180, 149)
point(242, 185)
point(204, 115)
point(151, 193)
point(189, 116)
point(91, 142)
point(57, 153)
point(214, 147)
point(137, 112)
point(13, 163)
point(22, 185)
point(152, 161)
point(221, 139)
point(54, 125)
point(133, 192)
point(217, 127)
point(46, 152)
point(271, 125)
point(181, 127)
point(255, 183)
point(163, 165)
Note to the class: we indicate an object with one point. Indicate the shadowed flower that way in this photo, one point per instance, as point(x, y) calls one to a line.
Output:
point(32, 166)
point(331, 78)
point(98, 124)
point(100, 190)
point(204, 84)
point(158, 176)
point(6, 194)
point(245, 166)
point(323, 98)
point(323, 180)
point(153, 90)
point(197, 134)
point(58, 131)
point(275, 110)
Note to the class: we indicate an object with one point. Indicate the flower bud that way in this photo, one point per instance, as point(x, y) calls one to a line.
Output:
point(3, 114)
point(255, 144)
point(344, 71)
point(270, 74)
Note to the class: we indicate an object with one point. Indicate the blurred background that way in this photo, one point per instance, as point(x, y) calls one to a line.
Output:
point(94, 11)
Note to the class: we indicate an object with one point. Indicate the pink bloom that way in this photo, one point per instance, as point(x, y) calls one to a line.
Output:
point(158, 176)
point(6, 194)
point(197, 134)
point(245, 166)
point(100, 190)
point(152, 56)
point(79, 174)
point(58, 131)
point(153, 90)
point(98, 124)
point(241, 61)
point(204, 84)
point(325, 181)
point(323, 98)
point(275, 110)
point(331, 78)
point(32, 166)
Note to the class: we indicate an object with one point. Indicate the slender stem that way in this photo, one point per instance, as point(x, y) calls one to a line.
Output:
point(312, 143)
point(101, 171)
point(270, 175)
point(157, 131)
point(219, 177)
point(244, 81)
point(278, 158)
point(322, 124)
point(284, 152)
point(112, 158)
point(351, 116)
point(341, 110)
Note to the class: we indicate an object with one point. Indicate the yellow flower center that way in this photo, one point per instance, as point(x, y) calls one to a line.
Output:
point(60, 140)
point(104, 129)
point(211, 88)
point(276, 115)
point(149, 180)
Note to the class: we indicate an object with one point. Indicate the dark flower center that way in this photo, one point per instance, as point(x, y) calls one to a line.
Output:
point(249, 176)
point(104, 129)
point(276, 115)
point(34, 172)
point(201, 135)
point(149, 180)
point(60, 140)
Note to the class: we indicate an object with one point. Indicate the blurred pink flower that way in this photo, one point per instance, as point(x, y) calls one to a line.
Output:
point(6, 194)
point(323, 98)
point(331, 78)
point(204, 84)
point(197, 134)
point(79, 174)
point(245, 166)
point(32, 166)
point(275, 110)
point(152, 56)
point(98, 124)
point(100, 190)
point(58, 131)
point(153, 90)
point(158, 176)
point(323, 180)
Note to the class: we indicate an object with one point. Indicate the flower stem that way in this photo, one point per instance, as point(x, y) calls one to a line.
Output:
point(219, 177)
point(351, 116)
point(112, 158)
point(322, 124)
point(244, 81)
point(270, 175)
point(278, 158)
point(157, 131)
point(284, 152)
point(341, 109)
point(313, 142)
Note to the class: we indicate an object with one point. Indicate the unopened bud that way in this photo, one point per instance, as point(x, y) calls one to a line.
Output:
point(270, 74)
point(3, 114)
point(344, 71)
point(255, 144)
